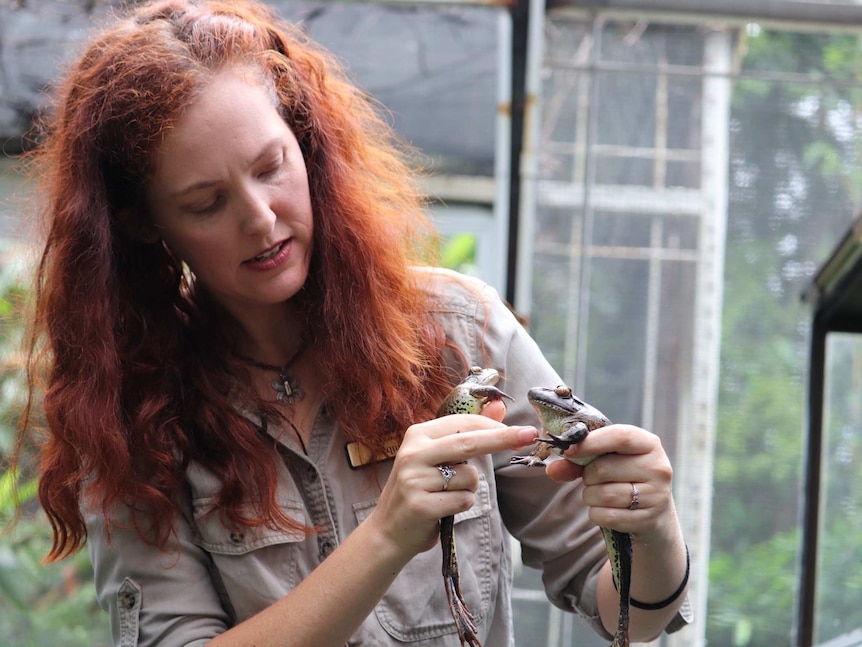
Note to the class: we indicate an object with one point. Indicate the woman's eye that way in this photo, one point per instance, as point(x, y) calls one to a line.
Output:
point(270, 172)
point(273, 168)
point(208, 207)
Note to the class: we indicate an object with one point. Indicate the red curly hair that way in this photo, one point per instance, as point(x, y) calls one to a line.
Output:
point(137, 375)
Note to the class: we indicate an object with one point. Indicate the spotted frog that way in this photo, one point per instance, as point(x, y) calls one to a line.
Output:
point(473, 393)
point(567, 420)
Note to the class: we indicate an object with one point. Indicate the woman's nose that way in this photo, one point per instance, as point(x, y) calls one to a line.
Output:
point(257, 216)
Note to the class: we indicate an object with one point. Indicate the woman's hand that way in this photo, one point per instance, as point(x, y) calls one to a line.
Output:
point(413, 500)
point(629, 458)
point(632, 459)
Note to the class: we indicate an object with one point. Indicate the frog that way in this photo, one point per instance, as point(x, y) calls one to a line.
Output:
point(469, 397)
point(567, 420)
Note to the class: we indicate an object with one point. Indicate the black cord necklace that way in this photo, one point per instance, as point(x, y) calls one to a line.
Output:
point(286, 385)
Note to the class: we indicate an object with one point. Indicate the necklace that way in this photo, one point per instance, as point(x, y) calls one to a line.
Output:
point(286, 385)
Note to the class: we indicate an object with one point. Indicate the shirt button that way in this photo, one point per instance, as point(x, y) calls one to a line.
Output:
point(237, 537)
point(127, 601)
point(326, 548)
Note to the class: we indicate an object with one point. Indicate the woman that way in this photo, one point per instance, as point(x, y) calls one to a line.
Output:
point(238, 339)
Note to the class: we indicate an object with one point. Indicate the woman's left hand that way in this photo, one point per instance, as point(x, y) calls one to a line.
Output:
point(628, 458)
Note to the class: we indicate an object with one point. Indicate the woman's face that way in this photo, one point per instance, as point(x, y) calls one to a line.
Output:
point(230, 196)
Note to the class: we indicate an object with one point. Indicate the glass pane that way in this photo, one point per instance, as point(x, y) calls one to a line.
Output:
point(629, 154)
point(839, 590)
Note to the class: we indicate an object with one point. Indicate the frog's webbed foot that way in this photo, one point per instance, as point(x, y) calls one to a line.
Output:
point(562, 443)
point(464, 622)
point(489, 393)
point(530, 460)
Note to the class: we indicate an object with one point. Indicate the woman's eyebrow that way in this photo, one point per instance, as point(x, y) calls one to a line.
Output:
point(191, 188)
point(267, 149)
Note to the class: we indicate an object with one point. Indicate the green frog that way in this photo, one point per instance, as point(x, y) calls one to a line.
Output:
point(567, 420)
point(473, 393)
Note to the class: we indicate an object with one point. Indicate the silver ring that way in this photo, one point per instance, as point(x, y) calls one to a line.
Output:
point(635, 493)
point(447, 472)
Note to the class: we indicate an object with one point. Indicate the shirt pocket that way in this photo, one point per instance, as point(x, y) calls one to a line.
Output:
point(254, 565)
point(415, 607)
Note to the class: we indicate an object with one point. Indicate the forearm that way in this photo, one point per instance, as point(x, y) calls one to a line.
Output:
point(332, 602)
point(658, 569)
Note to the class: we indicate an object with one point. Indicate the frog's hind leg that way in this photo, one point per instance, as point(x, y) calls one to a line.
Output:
point(619, 547)
point(464, 622)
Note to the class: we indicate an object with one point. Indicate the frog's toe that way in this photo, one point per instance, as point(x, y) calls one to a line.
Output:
point(531, 461)
point(464, 622)
point(490, 393)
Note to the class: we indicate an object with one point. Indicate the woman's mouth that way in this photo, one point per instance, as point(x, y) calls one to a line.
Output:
point(271, 258)
point(268, 253)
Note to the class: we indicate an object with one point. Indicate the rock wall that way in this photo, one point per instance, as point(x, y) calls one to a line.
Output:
point(36, 38)
point(433, 67)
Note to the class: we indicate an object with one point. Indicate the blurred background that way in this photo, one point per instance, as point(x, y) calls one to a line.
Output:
point(654, 184)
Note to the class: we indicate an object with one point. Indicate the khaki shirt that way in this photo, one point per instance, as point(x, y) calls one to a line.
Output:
point(214, 577)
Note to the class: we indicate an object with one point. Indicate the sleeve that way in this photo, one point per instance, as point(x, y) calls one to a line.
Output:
point(548, 519)
point(153, 597)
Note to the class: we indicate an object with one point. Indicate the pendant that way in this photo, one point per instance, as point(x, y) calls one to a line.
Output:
point(287, 388)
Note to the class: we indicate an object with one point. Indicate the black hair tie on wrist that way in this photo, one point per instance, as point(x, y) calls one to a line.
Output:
point(655, 606)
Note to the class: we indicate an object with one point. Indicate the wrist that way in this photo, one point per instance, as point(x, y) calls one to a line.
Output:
point(386, 546)
point(673, 597)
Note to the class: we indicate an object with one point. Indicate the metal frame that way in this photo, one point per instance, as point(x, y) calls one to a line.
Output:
point(708, 205)
point(831, 294)
point(517, 132)
point(814, 15)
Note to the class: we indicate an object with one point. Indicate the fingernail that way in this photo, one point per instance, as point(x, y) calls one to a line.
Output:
point(527, 435)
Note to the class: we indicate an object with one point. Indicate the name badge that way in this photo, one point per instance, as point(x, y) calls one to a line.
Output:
point(359, 455)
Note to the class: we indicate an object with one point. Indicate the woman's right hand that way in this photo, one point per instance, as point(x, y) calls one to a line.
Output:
point(413, 500)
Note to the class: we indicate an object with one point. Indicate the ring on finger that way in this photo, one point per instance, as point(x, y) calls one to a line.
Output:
point(447, 472)
point(635, 494)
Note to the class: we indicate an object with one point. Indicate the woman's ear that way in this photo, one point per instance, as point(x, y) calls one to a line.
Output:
point(139, 228)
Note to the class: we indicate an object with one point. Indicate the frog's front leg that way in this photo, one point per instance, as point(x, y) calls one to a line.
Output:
point(571, 436)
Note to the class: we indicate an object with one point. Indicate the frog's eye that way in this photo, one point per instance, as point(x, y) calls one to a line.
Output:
point(563, 391)
point(475, 370)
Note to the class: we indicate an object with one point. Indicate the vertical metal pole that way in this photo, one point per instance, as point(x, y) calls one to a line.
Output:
point(694, 472)
point(579, 347)
point(528, 18)
point(653, 313)
point(807, 598)
point(515, 288)
point(503, 171)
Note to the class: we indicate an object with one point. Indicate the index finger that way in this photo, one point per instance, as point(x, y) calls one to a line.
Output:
point(459, 437)
point(459, 447)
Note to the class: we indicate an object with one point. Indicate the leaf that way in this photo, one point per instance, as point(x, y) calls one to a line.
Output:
point(13, 493)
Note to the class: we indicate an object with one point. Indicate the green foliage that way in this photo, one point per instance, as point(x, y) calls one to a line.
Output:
point(12, 491)
point(795, 185)
point(458, 252)
point(752, 593)
point(39, 603)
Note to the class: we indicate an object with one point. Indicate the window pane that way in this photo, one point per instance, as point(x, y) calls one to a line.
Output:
point(839, 591)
